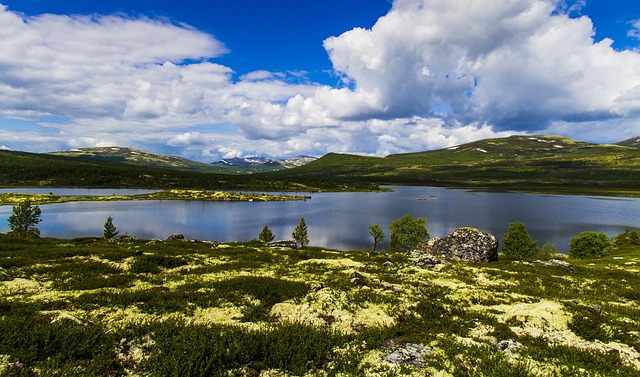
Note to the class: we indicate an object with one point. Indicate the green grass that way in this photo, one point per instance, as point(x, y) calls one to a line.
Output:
point(91, 307)
point(551, 164)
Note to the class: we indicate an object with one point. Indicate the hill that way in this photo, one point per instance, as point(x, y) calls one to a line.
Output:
point(634, 142)
point(535, 163)
point(140, 158)
point(22, 169)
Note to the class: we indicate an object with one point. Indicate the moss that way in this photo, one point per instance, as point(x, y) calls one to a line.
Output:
point(231, 308)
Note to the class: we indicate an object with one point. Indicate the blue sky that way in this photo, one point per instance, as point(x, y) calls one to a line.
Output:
point(218, 79)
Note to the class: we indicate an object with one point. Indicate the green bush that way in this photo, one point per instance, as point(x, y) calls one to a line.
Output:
point(590, 245)
point(407, 232)
point(518, 243)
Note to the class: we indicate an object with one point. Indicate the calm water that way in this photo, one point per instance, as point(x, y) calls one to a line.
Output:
point(340, 220)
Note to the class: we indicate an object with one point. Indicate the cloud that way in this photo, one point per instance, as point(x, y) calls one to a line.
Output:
point(517, 65)
point(429, 74)
point(635, 29)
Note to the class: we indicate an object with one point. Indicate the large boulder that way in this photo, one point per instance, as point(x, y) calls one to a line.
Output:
point(464, 244)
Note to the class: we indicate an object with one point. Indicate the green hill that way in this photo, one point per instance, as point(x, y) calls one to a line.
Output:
point(22, 169)
point(535, 163)
point(634, 142)
point(140, 158)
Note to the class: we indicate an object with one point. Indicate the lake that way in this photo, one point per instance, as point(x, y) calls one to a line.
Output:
point(339, 220)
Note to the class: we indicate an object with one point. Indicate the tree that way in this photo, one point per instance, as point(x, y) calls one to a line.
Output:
point(590, 245)
point(300, 233)
point(518, 243)
point(377, 233)
point(407, 232)
point(266, 235)
point(110, 230)
point(24, 219)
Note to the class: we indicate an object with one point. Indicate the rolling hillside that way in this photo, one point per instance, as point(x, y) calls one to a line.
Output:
point(538, 163)
point(22, 169)
point(140, 158)
point(634, 142)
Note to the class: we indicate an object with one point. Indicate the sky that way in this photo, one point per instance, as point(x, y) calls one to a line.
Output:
point(216, 79)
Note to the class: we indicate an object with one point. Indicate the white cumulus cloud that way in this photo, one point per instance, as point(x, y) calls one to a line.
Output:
point(513, 64)
point(429, 74)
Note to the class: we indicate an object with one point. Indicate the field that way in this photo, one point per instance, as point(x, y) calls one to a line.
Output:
point(199, 308)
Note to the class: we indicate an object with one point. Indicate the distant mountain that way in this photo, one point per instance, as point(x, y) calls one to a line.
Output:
point(140, 158)
point(261, 164)
point(634, 142)
point(241, 162)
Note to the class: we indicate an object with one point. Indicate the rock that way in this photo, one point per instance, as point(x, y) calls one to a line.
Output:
point(409, 353)
point(464, 244)
point(389, 265)
point(357, 279)
point(427, 261)
point(175, 237)
point(122, 238)
point(557, 263)
point(509, 345)
point(283, 243)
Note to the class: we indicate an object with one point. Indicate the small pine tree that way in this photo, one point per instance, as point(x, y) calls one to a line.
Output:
point(518, 243)
point(266, 235)
point(24, 219)
point(300, 234)
point(377, 233)
point(110, 230)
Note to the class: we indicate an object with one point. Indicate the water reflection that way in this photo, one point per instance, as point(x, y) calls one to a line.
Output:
point(341, 220)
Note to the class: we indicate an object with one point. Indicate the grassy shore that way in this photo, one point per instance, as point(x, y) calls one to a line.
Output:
point(199, 195)
point(184, 308)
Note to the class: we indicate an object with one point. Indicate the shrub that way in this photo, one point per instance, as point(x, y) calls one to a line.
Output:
point(518, 243)
point(407, 232)
point(590, 245)
point(547, 251)
point(377, 233)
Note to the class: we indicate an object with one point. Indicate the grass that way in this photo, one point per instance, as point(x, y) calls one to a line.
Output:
point(198, 195)
point(544, 164)
point(91, 307)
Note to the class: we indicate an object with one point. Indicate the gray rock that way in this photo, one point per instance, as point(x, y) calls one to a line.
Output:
point(409, 353)
point(389, 265)
point(122, 238)
point(427, 261)
point(557, 263)
point(509, 345)
point(283, 243)
point(175, 237)
point(467, 245)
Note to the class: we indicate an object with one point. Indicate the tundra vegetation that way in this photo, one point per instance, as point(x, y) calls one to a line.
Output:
point(96, 307)
point(173, 194)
